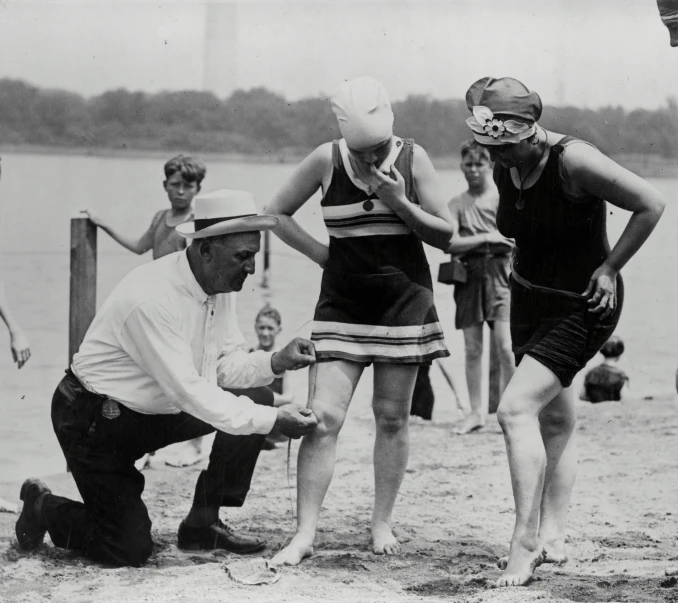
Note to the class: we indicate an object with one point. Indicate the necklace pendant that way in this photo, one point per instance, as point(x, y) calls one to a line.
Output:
point(520, 203)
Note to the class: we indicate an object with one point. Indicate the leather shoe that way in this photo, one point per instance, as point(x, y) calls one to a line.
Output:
point(217, 536)
point(30, 527)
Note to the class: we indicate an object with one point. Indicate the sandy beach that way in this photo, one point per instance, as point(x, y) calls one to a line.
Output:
point(455, 504)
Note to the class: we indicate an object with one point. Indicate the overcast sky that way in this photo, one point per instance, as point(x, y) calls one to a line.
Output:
point(580, 52)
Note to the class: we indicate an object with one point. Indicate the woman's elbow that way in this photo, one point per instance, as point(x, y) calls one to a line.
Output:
point(655, 207)
point(441, 241)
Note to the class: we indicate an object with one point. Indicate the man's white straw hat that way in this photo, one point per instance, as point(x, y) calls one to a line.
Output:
point(225, 212)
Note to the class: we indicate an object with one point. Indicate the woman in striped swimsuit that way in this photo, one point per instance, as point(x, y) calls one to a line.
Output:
point(381, 198)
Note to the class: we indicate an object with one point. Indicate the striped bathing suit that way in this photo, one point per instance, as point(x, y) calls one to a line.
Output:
point(376, 296)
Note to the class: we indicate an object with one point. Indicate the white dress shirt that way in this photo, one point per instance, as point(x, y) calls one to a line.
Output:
point(160, 345)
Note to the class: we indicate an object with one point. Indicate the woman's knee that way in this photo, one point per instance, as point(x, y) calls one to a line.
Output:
point(557, 421)
point(513, 412)
point(330, 420)
point(391, 417)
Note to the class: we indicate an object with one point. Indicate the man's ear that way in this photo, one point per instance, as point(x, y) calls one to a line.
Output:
point(205, 248)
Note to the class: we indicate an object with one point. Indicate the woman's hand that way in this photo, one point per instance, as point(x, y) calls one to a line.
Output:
point(390, 190)
point(602, 291)
point(21, 351)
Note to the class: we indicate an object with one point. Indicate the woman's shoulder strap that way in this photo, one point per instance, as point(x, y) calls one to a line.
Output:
point(336, 155)
point(570, 140)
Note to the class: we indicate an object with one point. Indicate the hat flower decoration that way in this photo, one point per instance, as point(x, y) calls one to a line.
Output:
point(491, 130)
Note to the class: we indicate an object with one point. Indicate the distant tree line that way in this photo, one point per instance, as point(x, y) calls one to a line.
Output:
point(261, 122)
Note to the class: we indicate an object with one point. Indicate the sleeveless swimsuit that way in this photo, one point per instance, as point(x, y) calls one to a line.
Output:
point(376, 296)
point(560, 242)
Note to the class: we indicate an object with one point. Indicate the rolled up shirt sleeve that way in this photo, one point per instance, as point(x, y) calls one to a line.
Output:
point(152, 338)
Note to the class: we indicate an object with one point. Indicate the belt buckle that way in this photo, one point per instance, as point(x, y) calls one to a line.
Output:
point(110, 409)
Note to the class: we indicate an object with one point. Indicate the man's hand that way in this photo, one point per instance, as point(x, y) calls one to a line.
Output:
point(297, 354)
point(295, 421)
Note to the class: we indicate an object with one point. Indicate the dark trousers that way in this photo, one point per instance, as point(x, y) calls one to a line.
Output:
point(112, 525)
point(422, 396)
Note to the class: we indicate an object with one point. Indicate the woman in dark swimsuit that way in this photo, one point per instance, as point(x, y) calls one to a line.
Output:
point(566, 296)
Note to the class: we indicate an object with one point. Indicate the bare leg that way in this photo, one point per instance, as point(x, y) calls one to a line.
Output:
point(533, 386)
point(558, 421)
point(335, 383)
point(457, 382)
point(393, 385)
point(501, 332)
point(473, 340)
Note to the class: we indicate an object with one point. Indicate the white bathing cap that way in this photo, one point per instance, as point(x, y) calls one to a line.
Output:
point(363, 111)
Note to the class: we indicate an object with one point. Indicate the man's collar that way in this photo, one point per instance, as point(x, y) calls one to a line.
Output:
point(187, 276)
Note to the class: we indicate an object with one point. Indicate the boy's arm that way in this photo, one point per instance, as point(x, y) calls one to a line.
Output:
point(21, 351)
point(138, 246)
point(287, 395)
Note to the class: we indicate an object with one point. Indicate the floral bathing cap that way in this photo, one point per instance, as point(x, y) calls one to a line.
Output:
point(668, 10)
point(363, 110)
point(504, 111)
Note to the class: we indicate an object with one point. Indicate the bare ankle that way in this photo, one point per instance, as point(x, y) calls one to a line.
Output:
point(527, 543)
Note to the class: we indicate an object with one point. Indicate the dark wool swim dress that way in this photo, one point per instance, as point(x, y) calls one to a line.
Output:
point(560, 241)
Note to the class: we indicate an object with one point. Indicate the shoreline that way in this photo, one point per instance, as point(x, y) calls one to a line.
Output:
point(455, 505)
point(647, 166)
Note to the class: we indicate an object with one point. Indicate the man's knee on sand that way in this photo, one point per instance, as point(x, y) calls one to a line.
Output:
point(133, 552)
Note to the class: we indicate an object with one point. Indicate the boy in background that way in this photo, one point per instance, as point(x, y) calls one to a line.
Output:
point(183, 179)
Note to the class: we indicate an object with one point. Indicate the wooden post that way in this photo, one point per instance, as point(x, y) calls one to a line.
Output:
point(495, 378)
point(267, 259)
point(83, 281)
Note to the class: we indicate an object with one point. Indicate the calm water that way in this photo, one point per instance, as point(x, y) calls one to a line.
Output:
point(39, 194)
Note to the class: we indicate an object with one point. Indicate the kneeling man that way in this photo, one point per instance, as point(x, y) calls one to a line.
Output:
point(163, 362)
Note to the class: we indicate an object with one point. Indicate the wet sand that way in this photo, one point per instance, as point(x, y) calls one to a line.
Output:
point(455, 503)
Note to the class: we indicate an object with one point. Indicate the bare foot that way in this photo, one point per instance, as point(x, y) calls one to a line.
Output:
point(401, 535)
point(295, 552)
point(673, 571)
point(471, 423)
point(8, 507)
point(384, 541)
point(141, 463)
point(558, 557)
point(150, 461)
point(554, 552)
point(520, 567)
point(184, 455)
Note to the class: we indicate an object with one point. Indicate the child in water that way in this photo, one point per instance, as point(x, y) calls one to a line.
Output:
point(605, 382)
point(267, 326)
point(183, 179)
